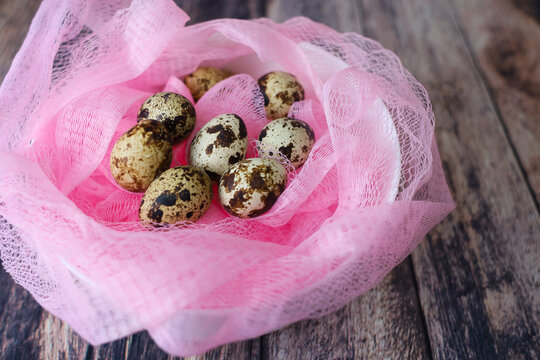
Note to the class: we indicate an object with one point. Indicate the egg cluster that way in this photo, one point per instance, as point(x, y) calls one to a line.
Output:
point(141, 158)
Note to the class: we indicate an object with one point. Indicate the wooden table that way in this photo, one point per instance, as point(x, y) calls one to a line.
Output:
point(471, 289)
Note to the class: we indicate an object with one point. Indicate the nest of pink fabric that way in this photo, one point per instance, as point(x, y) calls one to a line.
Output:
point(371, 189)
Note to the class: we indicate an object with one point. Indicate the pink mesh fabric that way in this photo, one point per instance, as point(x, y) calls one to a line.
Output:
point(372, 187)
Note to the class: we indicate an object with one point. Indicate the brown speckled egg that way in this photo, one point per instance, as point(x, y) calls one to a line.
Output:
point(280, 91)
point(250, 187)
point(202, 79)
point(292, 137)
point(183, 193)
point(141, 155)
point(175, 112)
point(220, 143)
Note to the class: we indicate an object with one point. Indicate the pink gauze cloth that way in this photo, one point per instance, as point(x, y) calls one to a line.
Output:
point(372, 188)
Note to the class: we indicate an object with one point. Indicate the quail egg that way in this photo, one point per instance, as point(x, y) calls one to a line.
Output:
point(175, 112)
point(141, 155)
point(202, 79)
point(220, 143)
point(183, 193)
point(250, 187)
point(292, 137)
point(280, 91)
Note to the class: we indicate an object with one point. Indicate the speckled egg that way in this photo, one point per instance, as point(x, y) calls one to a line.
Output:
point(183, 193)
point(280, 91)
point(292, 137)
point(202, 79)
point(250, 187)
point(175, 112)
point(141, 155)
point(220, 143)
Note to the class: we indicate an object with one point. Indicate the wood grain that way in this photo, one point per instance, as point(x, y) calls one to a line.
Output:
point(504, 39)
point(57, 341)
point(471, 289)
point(204, 10)
point(15, 18)
point(19, 321)
point(342, 15)
point(477, 271)
point(141, 346)
point(385, 321)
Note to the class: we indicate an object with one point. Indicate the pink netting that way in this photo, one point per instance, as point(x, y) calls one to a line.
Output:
point(372, 187)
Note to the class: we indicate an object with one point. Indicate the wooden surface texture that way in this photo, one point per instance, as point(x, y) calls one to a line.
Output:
point(471, 289)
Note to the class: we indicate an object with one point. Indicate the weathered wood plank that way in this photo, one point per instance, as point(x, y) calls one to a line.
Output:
point(19, 320)
point(141, 346)
point(204, 10)
point(29, 332)
point(475, 272)
point(342, 15)
point(504, 37)
point(478, 271)
point(386, 321)
point(136, 346)
point(57, 341)
point(15, 18)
